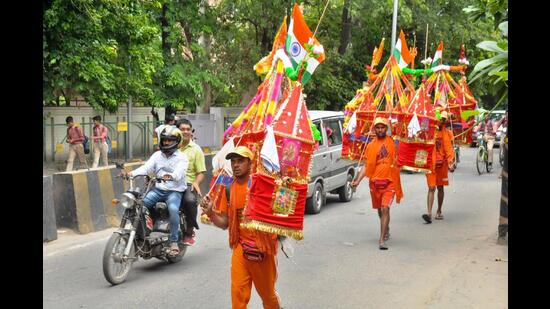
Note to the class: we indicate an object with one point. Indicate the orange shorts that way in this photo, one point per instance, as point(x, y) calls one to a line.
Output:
point(440, 177)
point(381, 197)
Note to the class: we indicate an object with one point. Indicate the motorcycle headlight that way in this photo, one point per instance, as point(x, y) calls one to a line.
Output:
point(127, 200)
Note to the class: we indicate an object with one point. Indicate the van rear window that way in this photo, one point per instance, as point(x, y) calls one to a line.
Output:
point(334, 134)
point(318, 125)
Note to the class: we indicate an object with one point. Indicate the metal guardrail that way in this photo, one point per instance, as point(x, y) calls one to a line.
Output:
point(145, 131)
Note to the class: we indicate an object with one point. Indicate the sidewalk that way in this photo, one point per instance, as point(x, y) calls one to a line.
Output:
point(479, 280)
point(68, 240)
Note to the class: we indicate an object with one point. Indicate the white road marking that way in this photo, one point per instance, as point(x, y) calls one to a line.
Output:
point(79, 246)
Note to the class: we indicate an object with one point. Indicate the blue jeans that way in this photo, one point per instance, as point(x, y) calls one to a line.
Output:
point(172, 200)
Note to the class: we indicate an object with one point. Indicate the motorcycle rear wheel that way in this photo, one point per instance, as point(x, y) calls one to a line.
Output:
point(116, 270)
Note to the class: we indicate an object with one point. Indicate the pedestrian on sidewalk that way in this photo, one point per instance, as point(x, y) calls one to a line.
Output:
point(75, 138)
point(194, 177)
point(99, 138)
point(444, 157)
point(254, 253)
point(383, 173)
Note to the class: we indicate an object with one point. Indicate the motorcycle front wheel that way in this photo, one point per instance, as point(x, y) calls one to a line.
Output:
point(115, 267)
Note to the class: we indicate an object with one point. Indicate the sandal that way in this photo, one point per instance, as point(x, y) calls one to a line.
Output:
point(382, 246)
point(427, 218)
point(174, 249)
point(439, 216)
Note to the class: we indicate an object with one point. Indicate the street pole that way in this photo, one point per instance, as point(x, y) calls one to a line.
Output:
point(129, 112)
point(394, 25)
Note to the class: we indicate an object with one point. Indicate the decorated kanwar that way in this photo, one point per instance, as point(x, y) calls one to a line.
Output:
point(373, 131)
point(442, 85)
point(261, 173)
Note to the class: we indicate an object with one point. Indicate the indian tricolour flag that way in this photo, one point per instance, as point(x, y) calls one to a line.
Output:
point(297, 37)
point(401, 52)
point(438, 58)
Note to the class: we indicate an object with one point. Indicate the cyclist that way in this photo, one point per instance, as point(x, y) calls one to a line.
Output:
point(489, 128)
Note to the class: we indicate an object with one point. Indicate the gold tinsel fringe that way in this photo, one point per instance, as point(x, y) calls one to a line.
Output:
point(273, 228)
point(416, 169)
point(206, 220)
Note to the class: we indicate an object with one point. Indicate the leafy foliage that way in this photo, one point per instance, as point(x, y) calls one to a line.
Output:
point(184, 54)
point(496, 67)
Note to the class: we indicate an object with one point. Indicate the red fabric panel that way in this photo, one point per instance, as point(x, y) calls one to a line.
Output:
point(261, 198)
point(406, 154)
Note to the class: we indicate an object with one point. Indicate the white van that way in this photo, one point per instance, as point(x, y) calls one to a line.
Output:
point(329, 173)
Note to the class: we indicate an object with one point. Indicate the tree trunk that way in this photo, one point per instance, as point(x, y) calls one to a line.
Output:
point(265, 45)
point(346, 28)
point(164, 32)
point(205, 108)
point(205, 41)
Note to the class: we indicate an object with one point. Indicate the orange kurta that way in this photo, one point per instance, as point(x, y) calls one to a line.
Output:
point(380, 156)
point(244, 272)
point(444, 152)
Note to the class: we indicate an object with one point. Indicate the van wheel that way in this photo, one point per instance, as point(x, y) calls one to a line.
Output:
point(346, 192)
point(316, 201)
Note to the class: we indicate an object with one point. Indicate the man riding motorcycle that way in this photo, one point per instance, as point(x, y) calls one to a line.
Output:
point(171, 165)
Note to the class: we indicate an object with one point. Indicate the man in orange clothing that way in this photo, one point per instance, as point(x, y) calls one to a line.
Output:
point(444, 157)
point(250, 262)
point(383, 173)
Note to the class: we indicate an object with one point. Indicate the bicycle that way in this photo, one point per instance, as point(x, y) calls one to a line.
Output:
point(482, 158)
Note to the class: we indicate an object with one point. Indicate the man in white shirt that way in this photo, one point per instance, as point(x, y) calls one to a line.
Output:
point(169, 120)
point(171, 165)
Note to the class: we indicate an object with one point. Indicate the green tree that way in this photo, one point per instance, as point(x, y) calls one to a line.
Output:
point(496, 67)
point(101, 50)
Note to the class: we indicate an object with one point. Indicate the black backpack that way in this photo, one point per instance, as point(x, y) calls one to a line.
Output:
point(86, 144)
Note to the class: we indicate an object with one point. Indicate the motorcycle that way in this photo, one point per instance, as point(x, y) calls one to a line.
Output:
point(139, 234)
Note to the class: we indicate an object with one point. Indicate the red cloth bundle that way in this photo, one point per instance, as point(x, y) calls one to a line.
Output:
point(415, 156)
point(260, 214)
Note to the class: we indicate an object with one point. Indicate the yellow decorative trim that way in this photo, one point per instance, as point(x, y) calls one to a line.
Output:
point(416, 169)
point(272, 228)
point(206, 220)
point(419, 141)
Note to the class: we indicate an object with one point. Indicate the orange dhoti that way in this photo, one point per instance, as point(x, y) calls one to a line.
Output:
point(439, 177)
point(382, 197)
point(245, 272)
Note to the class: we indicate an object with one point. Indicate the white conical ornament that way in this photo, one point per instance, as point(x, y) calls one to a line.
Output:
point(414, 126)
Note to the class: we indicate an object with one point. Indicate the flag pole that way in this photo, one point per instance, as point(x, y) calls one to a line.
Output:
point(394, 25)
point(322, 15)
point(426, 49)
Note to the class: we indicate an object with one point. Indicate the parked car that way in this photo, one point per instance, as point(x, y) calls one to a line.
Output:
point(329, 173)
